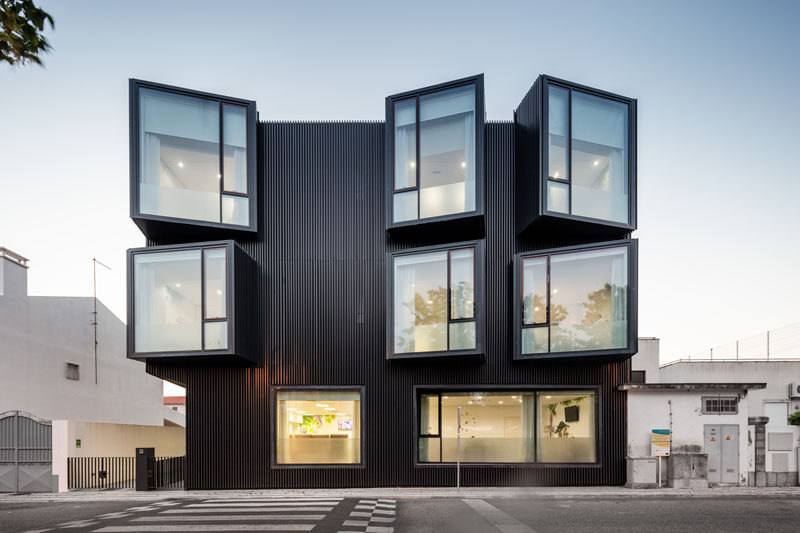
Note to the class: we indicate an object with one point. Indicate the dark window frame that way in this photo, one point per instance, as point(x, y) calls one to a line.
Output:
point(479, 300)
point(230, 300)
point(544, 169)
point(416, 94)
point(641, 377)
point(273, 433)
point(419, 390)
point(518, 303)
point(719, 399)
point(251, 193)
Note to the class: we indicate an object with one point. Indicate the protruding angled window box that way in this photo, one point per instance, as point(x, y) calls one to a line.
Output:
point(434, 158)
point(576, 302)
point(436, 301)
point(575, 159)
point(192, 163)
point(191, 300)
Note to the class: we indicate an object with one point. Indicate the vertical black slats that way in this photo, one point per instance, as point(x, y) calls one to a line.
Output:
point(319, 281)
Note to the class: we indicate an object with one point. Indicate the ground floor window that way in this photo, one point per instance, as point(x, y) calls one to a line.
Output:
point(508, 426)
point(318, 426)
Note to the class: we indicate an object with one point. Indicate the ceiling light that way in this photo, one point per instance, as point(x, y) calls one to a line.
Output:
point(219, 291)
point(596, 162)
point(555, 175)
point(548, 397)
point(180, 164)
point(514, 397)
point(535, 309)
point(219, 176)
point(322, 405)
point(520, 401)
point(445, 397)
point(501, 401)
point(469, 402)
point(330, 408)
point(413, 164)
point(177, 284)
point(463, 164)
point(555, 291)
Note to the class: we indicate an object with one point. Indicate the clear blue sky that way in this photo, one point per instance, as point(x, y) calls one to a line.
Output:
point(717, 83)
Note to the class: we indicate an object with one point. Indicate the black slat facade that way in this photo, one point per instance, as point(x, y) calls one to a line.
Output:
point(321, 286)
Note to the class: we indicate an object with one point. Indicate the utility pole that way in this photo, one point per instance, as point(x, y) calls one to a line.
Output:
point(94, 313)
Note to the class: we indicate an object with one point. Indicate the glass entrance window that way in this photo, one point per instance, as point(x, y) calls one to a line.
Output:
point(434, 154)
point(507, 426)
point(566, 429)
point(318, 427)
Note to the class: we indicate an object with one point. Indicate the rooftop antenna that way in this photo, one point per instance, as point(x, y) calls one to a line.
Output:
point(95, 262)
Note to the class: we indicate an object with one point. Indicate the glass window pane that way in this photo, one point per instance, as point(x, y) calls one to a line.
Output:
point(462, 336)
point(557, 197)
point(599, 158)
point(405, 206)
point(589, 300)
point(447, 152)
point(534, 290)
point(405, 144)
point(534, 340)
point(429, 450)
point(235, 210)
point(429, 414)
point(318, 427)
point(496, 427)
point(166, 292)
point(558, 100)
point(420, 302)
point(462, 277)
point(234, 134)
point(566, 431)
point(179, 156)
point(216, 335)
point(215, 284)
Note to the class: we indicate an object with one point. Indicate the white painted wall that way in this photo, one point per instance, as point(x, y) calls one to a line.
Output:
point(776, 374)
point(649, 410)
point(39, 335)
point(647, 358)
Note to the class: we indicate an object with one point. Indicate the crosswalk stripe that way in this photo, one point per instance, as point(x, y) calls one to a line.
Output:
point(207, 527)
point(384, 511)
point(309, 499)
point(250, 510)
point(256, 504)
point(159, 518)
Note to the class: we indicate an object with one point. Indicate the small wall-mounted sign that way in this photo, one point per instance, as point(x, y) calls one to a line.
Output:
point(77, 443)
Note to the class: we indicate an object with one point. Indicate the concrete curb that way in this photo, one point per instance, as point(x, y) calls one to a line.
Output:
point(411, 493)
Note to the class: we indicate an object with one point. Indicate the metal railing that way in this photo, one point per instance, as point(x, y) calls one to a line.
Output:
point(782, 344)
point(120, 472)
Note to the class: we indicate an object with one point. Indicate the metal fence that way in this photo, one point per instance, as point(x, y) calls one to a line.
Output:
point(120, 472)
point(772, 345)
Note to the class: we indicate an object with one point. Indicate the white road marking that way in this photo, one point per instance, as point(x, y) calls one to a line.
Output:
point(109, 516)
point(78, 523)
point(250, 510)
point(37, 530)
point(164, 504)
point(384, 511)
point(381, 519)
point(314, 499)
point(160, 518)
point(207, 527)
point(270, 504)
point(379, 529)
point(142, 509)
point(360, 513)
point(358, 523)
point(502, 521)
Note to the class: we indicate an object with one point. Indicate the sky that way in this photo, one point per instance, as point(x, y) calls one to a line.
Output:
point(717, 85)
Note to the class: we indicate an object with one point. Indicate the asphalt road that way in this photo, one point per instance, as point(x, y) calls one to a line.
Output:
point(423, 515)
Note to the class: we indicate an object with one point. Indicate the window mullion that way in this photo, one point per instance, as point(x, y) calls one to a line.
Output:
point(417, 158)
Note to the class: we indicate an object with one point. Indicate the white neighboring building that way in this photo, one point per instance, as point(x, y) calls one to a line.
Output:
point(47, 358)
point(709, 405)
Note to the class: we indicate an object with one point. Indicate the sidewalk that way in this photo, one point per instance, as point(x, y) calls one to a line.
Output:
point(407, 493)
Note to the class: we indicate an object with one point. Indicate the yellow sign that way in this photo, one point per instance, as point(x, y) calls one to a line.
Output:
point(660, 441)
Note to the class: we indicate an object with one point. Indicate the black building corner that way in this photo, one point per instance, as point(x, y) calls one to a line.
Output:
point(330, 293)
